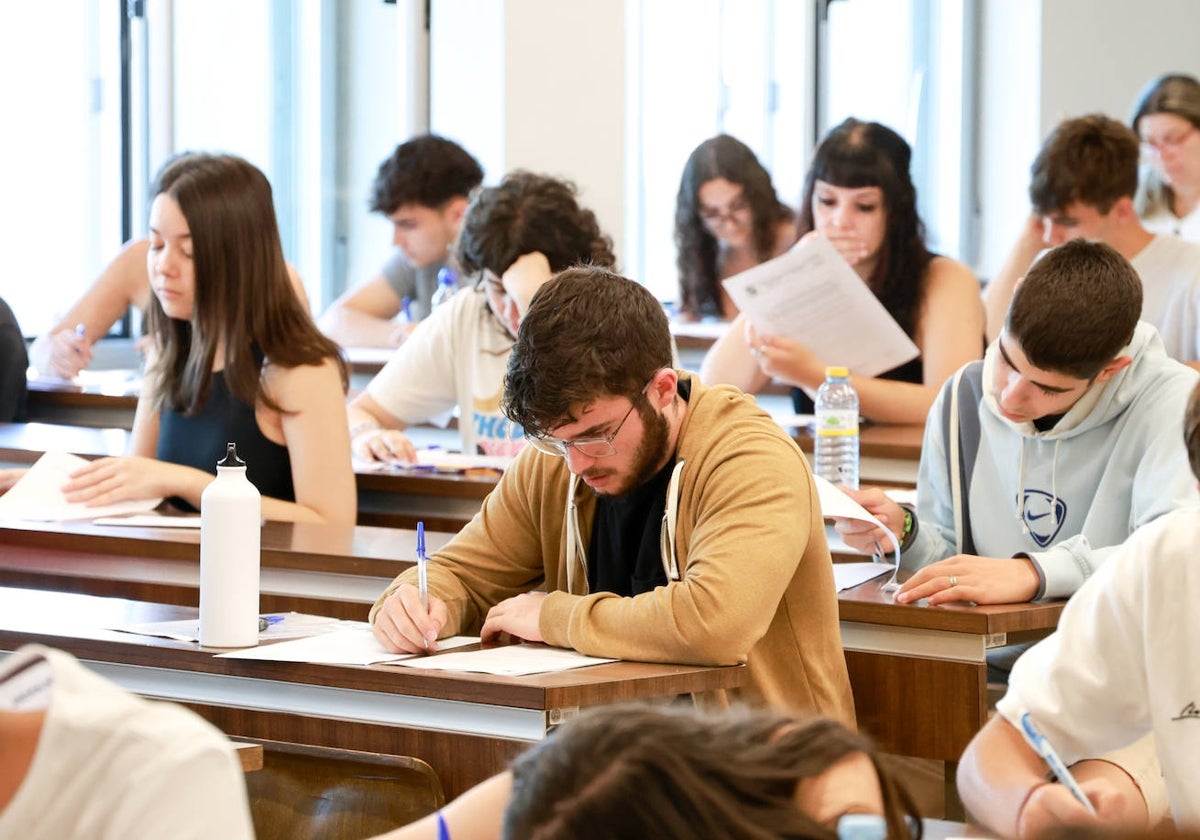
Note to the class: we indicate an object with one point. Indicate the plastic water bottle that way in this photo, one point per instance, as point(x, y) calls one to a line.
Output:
point(447, 287)
point(836, 441)
point(230, 535)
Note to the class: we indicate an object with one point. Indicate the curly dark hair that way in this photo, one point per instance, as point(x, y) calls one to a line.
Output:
point(528, 212)
point(589, 333)
point(868, 154)
point(675, 772)
point(1092, 160)
point(1076, 308)
point(428, 170)
point(719, 157)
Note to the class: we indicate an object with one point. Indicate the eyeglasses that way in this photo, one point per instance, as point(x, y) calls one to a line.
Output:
point(1168, 141)
point(597, 447)
point(713, 216)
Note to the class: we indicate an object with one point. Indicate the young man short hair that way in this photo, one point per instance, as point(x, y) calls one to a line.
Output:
point(1118, 668)
point(652, 518)
point(423, 188)
point(1039, 461)
point(1082, 186)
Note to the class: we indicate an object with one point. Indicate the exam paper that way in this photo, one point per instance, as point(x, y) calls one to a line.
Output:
point(836, 504)
point(282, 626)
point(849, 575)
point(507, 661)
point(350, 645)
point(811, 294)
point(38, 495)
point(439, 460)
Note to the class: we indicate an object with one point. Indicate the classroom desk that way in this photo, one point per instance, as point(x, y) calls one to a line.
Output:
point(919, 674)
point(336, 570)
point(96, 406)
point(466, 726)
point(395, 499)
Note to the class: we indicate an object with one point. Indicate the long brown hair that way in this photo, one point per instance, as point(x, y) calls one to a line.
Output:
point(674, 773)
point(243, 296)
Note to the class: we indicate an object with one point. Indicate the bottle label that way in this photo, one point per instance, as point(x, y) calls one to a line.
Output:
point(834, 423)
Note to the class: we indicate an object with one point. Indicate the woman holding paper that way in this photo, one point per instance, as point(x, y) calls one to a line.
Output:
point(860, 196)
point(727, 219)
point(236, 357)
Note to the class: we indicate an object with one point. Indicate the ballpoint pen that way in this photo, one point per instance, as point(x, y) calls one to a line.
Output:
point(406, 308)
point(1041, 745)
point(422, 568)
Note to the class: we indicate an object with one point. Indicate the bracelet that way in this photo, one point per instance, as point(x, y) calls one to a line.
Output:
point(363, 426)
point(911, 527)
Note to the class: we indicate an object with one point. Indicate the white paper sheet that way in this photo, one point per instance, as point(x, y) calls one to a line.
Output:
point(355, 645)
point(813, 295)
point(508, 661)
point(439, 460)
point(151, 520)
point(847, 575)
point(38, 495)
point(290, 625)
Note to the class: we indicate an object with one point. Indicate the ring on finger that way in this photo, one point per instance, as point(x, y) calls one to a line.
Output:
point(954, 580)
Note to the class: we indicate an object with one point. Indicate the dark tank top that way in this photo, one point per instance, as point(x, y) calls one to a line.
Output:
point(910, 371)
point(199, 441)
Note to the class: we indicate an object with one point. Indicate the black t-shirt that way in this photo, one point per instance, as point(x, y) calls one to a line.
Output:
point(624, 553)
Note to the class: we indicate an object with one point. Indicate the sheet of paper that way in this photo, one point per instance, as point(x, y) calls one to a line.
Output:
point(847, 575)
point(813, 295)
point(290, 625)
point(354, 645)
point(507, 661)
point(836, 504)
point(151, 520)
point(38, 495)
point(439, 460)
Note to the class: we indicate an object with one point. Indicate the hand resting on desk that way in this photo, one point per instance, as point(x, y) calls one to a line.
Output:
point(403, 626)
point(517, 616)
point(106, 481)
point(966, 577)
point(386, 445)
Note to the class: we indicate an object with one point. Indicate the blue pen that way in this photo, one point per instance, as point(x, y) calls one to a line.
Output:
point(1041, 745)
point(406, 308)
point(422, 568)
point(265, 621)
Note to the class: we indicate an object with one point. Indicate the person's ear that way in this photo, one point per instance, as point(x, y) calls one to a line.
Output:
point(455, 210)
point(1113, 368)
point(1123, 210)
point(663, 388)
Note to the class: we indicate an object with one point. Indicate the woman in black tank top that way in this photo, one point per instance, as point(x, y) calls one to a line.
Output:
point(860, 196)
point(236, 358)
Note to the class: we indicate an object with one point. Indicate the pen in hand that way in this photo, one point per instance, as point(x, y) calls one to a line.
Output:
point(422, 568)
point(1041, 745)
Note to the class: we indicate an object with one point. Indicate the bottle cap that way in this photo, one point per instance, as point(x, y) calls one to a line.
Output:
point(447, 276)
point(231, 458)
point(836, 372)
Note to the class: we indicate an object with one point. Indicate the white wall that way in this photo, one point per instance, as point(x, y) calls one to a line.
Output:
point(1047, 60)
point(552, 96)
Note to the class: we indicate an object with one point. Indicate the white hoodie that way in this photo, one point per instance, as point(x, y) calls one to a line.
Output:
point(1067, 497)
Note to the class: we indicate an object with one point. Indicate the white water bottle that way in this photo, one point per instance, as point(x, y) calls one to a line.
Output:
point(835, 445)
point(230, 534)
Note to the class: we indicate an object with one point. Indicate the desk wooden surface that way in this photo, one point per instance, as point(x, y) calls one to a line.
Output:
point(336, 570)
point(467, 726)
point(398, 498)
point(56, 401)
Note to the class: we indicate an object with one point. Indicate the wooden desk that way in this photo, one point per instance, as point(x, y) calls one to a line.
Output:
point(56, 401)
point(336, 570)
point(919, 674)
point(466, 726)
point(396, 499)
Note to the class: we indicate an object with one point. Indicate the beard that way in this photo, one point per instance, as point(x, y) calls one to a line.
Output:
point(649, 456)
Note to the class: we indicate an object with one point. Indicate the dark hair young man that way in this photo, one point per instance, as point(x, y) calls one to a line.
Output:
point(1082, 186)
point(423, 188)
point(700, 541)
point(1040, 460)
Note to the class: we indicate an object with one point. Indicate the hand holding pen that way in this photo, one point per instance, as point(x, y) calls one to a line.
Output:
point(69, 352)
point(410, 619)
